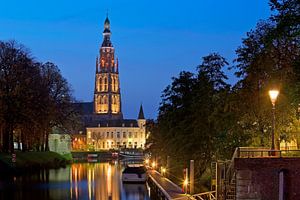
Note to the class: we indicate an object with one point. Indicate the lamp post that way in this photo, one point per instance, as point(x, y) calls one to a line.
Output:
point(273, 96)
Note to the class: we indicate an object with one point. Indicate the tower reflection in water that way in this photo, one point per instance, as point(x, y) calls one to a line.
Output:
point(102, 181)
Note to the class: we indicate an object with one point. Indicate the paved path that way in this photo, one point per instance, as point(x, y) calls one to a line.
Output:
point(170, 189)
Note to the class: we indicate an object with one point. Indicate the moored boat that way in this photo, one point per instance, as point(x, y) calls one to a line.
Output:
point(134, 174)
point(131, 153)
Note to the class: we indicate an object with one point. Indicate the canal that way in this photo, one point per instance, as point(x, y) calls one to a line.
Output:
point(100, 181)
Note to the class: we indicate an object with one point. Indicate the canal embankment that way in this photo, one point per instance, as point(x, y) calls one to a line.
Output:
point(97, 155)
point(20, 162)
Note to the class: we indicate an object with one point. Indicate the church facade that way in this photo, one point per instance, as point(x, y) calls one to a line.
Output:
point(102, 119)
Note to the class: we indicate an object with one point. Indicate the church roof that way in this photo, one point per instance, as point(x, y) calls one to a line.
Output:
point(114, 123)
point(141, 113)
point(84, 108)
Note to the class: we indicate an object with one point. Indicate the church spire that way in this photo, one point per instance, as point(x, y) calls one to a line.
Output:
point(106, 34)
point(141, 113)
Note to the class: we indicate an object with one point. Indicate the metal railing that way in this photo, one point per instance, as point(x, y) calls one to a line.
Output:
point(256, 152)
point(211, 195)
point(230, 170)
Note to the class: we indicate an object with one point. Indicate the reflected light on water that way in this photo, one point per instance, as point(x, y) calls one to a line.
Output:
point(103, 182)
point(109, 180)
point(79, 181)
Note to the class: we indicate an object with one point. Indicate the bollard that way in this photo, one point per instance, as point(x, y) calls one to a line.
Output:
point(191, 176)
point(168, 165)
point(186, 180)
point(13, 158)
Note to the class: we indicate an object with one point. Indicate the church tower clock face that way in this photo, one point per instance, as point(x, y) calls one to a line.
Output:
point(107, 96)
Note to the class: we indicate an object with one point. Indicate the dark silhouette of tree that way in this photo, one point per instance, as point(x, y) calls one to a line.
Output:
point(34, 99)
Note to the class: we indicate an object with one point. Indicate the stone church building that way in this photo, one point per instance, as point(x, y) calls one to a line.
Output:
point(102, 119)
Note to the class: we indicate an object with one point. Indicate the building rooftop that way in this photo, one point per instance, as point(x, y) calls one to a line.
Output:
point(84, 108)
point(113, 123)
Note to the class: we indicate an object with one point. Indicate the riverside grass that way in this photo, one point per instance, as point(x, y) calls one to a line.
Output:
point(34, 160)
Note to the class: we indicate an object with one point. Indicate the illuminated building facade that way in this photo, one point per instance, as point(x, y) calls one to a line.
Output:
point(102, 119)
point(115, 134)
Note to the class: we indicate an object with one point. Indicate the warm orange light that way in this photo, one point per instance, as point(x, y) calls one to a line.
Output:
point(273, 95)
point(147, 161)
point(153, 164)
point(163, 170)
point(185, 182)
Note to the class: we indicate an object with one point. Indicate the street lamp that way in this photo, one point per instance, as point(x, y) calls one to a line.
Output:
point(273, 96)
point(153, 164)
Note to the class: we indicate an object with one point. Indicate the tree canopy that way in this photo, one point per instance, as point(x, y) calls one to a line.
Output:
point(202, 117)
point(34, 98)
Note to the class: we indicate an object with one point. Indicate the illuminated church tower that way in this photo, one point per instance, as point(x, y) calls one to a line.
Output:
point(107, 96)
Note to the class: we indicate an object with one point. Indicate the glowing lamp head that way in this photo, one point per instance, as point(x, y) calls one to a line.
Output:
point(273, 96)
point(147, 161)
point(153, 164)
point(163, 170)
point(185, 182)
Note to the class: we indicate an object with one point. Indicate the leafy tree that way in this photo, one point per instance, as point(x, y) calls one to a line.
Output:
point(34, 98)
point(269, 57)
point(195, 117)
point(18, 75)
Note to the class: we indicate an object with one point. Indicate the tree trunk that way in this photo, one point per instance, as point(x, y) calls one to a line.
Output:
point(11, 138)
point(43, 137)
point(5, 138)
point(46, 142)
point(23, 140)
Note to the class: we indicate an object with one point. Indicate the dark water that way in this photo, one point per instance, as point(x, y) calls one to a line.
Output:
point(101, 181)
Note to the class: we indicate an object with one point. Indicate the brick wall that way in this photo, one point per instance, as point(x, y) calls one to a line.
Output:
point(258, 178)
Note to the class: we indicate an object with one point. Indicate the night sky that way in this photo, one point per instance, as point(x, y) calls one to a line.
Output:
point(154, 40)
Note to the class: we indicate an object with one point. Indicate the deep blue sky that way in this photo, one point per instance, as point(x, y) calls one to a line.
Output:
point(154, 39)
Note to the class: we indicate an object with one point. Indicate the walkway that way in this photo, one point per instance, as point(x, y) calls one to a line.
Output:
point(168, 188)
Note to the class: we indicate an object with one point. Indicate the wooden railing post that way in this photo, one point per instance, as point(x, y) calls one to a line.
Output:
point(192, 177)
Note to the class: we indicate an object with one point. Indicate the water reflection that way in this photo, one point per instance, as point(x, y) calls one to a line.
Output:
point(100, 181)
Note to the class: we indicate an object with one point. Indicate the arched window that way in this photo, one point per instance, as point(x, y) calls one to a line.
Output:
point(112, 83)
point(105, 84)
point(100, 84)
point(116, 84)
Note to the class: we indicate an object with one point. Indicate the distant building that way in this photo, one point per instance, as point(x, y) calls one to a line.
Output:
point(102, 119)
point(60, 143)
point(78, 142)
